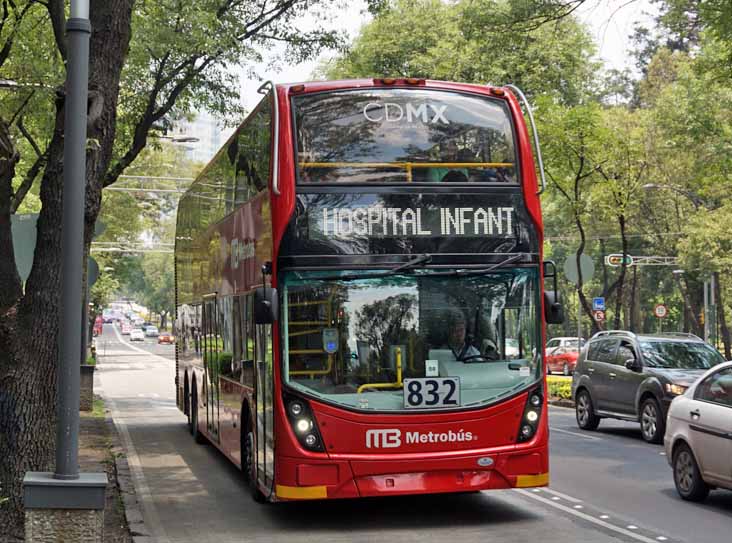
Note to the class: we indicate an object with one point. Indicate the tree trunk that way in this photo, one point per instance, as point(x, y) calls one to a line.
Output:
point(722, 319)
point(623, 267)
point(28, 360)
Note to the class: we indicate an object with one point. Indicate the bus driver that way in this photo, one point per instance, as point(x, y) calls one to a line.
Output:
point(456, 340)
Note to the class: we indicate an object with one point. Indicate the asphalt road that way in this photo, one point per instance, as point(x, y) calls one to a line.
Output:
point(606, 486)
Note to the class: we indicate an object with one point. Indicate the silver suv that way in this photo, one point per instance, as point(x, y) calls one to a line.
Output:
point(626, 376)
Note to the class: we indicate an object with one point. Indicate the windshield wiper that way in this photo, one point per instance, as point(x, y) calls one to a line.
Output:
point(463, 272)
point(401, 268)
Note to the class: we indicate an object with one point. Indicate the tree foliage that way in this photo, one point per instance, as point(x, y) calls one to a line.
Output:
point(475, 41)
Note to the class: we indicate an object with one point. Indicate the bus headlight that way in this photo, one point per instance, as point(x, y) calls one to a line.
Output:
point(532, 415)
point(303, 423)
point(295, 408)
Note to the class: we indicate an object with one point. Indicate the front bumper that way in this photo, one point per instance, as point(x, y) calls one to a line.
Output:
point(299, 478)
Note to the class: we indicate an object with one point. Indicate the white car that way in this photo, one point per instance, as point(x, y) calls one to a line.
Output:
point(137, 335)
point(151, 331)
point(698, 436)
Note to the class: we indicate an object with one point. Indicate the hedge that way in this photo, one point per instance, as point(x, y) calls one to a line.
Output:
point(560, 388)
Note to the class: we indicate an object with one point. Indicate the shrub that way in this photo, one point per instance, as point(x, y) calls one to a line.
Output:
point(560, 389)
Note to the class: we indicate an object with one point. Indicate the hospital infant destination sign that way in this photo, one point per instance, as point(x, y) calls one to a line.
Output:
point(381, 221)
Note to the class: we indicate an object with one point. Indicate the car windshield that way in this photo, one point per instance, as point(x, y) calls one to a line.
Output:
point(352, 342)
point(679, 355)
point(403, 135)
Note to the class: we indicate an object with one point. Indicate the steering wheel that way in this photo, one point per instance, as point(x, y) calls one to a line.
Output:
point(472, 359)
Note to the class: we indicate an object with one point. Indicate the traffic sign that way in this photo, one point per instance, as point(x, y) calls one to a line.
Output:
point(598, 304)
point(586, 266)
point(616, 260)
point(661, 311)
point(599, 315)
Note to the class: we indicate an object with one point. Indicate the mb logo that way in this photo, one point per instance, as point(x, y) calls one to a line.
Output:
point(383, 439)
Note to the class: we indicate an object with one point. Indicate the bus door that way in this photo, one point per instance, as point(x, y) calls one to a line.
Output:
point(211, 349)
point(265, 410)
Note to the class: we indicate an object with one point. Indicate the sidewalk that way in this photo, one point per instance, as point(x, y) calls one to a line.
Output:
point(98, 450)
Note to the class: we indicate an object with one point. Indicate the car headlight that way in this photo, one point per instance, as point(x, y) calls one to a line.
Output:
point(676, 390)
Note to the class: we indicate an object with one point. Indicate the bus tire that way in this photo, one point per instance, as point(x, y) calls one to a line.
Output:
point(248, 464)
point(187, 402)
point(198, 437)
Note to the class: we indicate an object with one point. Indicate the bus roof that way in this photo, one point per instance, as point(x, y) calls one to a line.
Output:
point(320, 86)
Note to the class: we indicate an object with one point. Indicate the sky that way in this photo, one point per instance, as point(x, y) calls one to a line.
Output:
point(610, 21)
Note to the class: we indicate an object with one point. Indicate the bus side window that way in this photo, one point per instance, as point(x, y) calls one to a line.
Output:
point(247, 339)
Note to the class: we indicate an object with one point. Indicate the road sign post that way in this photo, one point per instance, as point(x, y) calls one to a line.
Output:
point(572, 272)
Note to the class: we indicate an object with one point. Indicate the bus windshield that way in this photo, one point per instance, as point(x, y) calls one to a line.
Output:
point(352, 342)
point(403, 135)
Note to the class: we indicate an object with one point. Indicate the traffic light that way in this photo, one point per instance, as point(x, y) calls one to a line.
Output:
point(616, 260)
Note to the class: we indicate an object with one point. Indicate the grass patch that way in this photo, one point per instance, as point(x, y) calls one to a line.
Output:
point(98, 409)
point(559, 387)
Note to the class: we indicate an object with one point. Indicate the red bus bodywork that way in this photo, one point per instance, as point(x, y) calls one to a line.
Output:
point(488, 456)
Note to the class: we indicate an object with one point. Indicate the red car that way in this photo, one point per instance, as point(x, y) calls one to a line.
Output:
point(561, 355)
point(165, 337)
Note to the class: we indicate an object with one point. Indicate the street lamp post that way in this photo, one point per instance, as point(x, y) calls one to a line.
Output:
point(46, 493)
point(693, 197)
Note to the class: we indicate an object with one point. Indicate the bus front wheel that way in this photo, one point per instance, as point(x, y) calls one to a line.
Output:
point(249, 465)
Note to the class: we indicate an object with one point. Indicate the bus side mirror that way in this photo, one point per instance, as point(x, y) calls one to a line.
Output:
point(266, 309)
point(553, 310)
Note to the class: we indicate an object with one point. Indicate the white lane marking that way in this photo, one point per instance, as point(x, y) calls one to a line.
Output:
point(152, 519)
point(632, 527)
point(576, 434)
point(604, 516)
point(563, 496)
point(556, 498)
point(578, 507)
point(662, 453)
point(588, 518)
point(662, 538)
point(134, 348)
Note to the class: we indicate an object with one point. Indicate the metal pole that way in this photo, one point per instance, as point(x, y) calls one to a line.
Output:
point(78, 31)
point(706, 310)
point(579, 321)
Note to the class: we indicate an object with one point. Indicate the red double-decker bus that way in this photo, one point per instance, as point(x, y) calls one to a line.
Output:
point(360, 293)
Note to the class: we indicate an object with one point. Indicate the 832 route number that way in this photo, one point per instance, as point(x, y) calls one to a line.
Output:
point(432, 392)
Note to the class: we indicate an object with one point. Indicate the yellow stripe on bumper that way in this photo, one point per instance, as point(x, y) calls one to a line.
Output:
point(523, 481)
point(301, 492)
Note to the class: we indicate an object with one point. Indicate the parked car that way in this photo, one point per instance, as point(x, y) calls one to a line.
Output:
point(633, 377)
point(698, 436)
point(151, 331)
point(167, 338)
point(125, 328)
point(562, 354)
point(137, 335)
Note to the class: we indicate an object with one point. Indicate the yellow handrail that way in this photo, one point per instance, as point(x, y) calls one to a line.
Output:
point(406, 165)
point(397, 384)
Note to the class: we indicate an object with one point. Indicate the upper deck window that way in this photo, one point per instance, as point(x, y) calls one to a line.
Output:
point(403, 135)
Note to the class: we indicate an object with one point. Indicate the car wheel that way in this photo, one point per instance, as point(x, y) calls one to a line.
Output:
point(585, 412)
point(652, 422)
point(565, 369)
point(248, 466)
point(687, 477)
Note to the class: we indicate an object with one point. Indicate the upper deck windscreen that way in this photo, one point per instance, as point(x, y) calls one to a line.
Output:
point(403, 135)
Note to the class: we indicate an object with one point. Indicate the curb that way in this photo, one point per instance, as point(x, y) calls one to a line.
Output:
point(561, 402)
point(133, 509)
